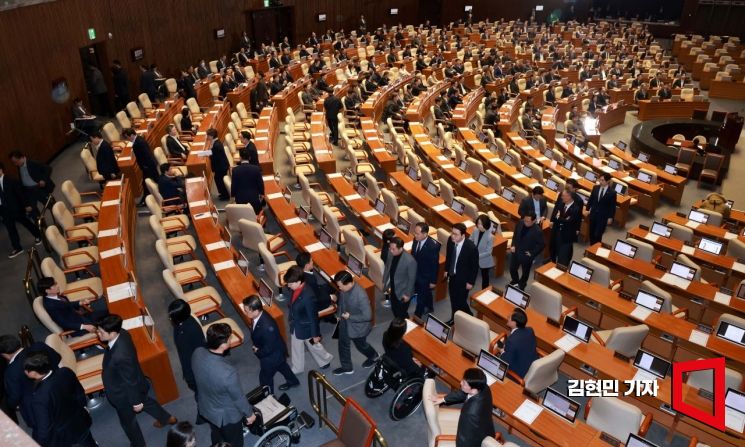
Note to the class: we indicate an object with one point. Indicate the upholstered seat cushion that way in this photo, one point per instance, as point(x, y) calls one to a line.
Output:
point(190, 270)
point(175, 223)
point(447, 418)
point(81, 257)
point(88, 283)
point(83, 231)
point(180, 245)
point(88, 208)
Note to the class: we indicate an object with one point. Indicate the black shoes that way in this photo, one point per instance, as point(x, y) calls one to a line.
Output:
point(342, 371)
point(287, 386)
point(369, 363)
point(15, 253)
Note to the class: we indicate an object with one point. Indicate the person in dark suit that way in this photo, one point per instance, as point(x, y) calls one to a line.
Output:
point(82, 119)
point(461, 269)
point(219, 162)
point(332, 106)
point(125, 384)
point(527, 244)
point(248, 184)
point(14, 208)
point(601, 208)
point(76, 316)
point(565, 220)
point(220, 401)
point(144, 158)
point(18, 387)
point(57, 405)
point(355, 323)
point(174, 146)
point(397, 350)
point(35, 177)
point(253, 154)
point(321, 289)
point(203, 70)
point(399, 277)
point(520, 345)
point(303, 319)
point(121, 85)
point(188, 336)
point(426, 252)
point(268, 346)
point(536, 204)
point(171, 185)
point(147, 83)
point(475, 420)
point(105, 158)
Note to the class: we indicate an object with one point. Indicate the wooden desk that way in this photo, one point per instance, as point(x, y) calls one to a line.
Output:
point(709, 231)
point(565, 105)
point(242, 93)
point(265, 135)
point(465, 111)
point(418, 109)
point(548, 125)
point(322, 149)
point(668, 109)
point(151, 353)
point(508, 114)
point(377, 146)
point(216, 117)
point(612, 116)
point(288, 98)
point(375, 103)
point(617, 95)
point(728, 90)
point(202, 90)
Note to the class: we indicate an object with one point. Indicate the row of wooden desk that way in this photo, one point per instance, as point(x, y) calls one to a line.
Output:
point(649, 110)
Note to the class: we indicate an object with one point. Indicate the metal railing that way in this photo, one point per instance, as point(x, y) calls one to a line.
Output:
point(319, 392)
point(32, 274)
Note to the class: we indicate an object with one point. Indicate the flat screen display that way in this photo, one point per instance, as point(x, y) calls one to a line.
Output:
point(517, 296)
point(576, 328)
point(437, 328)
point(563, 406)
point(580, 271)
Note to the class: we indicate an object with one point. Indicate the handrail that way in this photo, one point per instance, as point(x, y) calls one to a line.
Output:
point(319, 390)
point(32, 267)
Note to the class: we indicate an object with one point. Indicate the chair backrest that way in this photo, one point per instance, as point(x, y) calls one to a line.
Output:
point(271, 269)
point(145, 101)
point(391, 204)
point(627, 340)
point(375, 267)
point(545, 300)
point(684, 259)
point(356, 428)
point(667, 304)
point(471, 333)
point(176, 290)
point(600, 274)
point(62, 215)
point(685, 234)
point(171, 86)
point(731, 319)
point(715, 218)
point(235, 212)
point(446, 192)
point(425, 174)
point(495, 181)
point(123, 119)
point(157, 228)
point(213, 66)
point(193, 106)
point(133, 110)
point(543, 372)
point(71, 194)
point(354, 245)
point(736, 248)
point(160, 156)
point(50, 268)
point(252, 234)
point(110, 132)
point(644, 251)
point(162, 251)
point(56, 240)
point(89, 162)
point(431, 411)
point(331, 224)
point(373, 190)
point(66, 353)
point(316, 206)
point(704, 379)
point(44, 317)
point(614, 416)
point(474, 167)
point(153, 207)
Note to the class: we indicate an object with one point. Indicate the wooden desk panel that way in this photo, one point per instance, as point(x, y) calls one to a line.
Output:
point(674, 184)
point(611, 118)
point(709, 231)
point(508, 114)
point(618, 95)
point(668, 109)
point(216, 117)
point(377, 146)
point(322, 149)
point(727, 90)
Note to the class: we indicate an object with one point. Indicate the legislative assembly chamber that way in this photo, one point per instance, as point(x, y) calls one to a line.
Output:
point(525, 216)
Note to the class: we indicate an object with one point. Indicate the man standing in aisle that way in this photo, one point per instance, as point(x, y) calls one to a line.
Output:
point(144, 158)
point(125, 384)
point(426, 252)
point(399, 277)
point(36, 178)
point(219, 162)
point(14, 207)
point(462, 267)
point(355, 323)
point(601, 208)
point(565, 223)
point(332, 106)
point(527, 244)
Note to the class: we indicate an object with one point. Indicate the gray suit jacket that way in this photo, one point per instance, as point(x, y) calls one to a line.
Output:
point(220, 400)
point(486, 260)
point(405, 274)
point(357, 304)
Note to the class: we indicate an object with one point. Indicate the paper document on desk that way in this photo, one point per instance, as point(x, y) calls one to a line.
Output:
point(641, 313)
point(202, 216)
point(469, 224)
point(135, 322)
point(698, 337)
point(467, 181)
point(121, 291)
point(722, 298)
point(491, 196)
point(651, 237)
point(687, 250)
point(567, 343)
point(293, 221)
point(643, 376)
point(352, 197)
point(114, 183)
point(197, 203)
point(384, 227)
point(603, 252)
point(217, 245)
point(729, 236)
point(124, 158)
point(440, 208)
point(676, 281)
point(110, 253)
point(369, 213)
point(107, 233)
point(607, 169)
point(223, 265)
point(314, 247)
point(109, 203)
point(519, 176)
point(528, 411)
point(692, 224)
point(553, 273)
point(487, 297)
point(410, 325)
point(194, 180)
point(734, 420)
point(206, 153)
point(274, 195)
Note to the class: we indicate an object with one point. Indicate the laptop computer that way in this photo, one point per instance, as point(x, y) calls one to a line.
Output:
point(403, 224)
point(734, 409)
point(552, 185)
point(516, 296)
point(649, 301)
point(325, 238)
point(580, 271)
point(483, 179)
point(643, 156)
point(568, 164)
point(577, 329)
point(458, 206)
point(732, 333)
point(527, 171)
point(462, 165)
point(661, 229)
point(303, 213)
point(437, 328)
point(355, 265)
point(585, 196)
point(670, 169)
point(741, 292)
point(432, 189)
point(548, 153)
point(644, 177)
point(626, 249)
point(492, 365)
point(242, 263)
point(637, 441)
point(379, 206)
point(620, 188)
point(560, 404)
point(412, 173)
point(621, 144)
point(650, 363)
point(682, 271)
point(265, 293)
point(508, 194)
point(508, 159)
point(614, 164)
point(591, 176)
point(698, 216)
point(361, 189)
point(710, 246)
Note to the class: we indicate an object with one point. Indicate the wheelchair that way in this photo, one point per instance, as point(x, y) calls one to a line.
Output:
point(387, 375)
point(277, 423)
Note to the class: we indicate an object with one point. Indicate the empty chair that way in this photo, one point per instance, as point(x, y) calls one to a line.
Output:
point(375, 267)
point(235, 212)
point(601, 274)
point(711, 168)
point(472, 334)
point(177, 246)
point(331, 224)
point(86, 288)
point(253, 236)
point(88, 369)
point(176, 223)
point(144, 100)
point(685, 234)
point(74, 199)
point(685, 161)
point(736, 248)
point(704, 380)
point(392, 209)
point(667, 303)
point(623, 340)
point(134, 111)
point(354, 244)
point(616, 417)
point(123, 119)
point(373, 188)
point(715, 218)
point(446, 191)
point(274, 272)
point(82, 258)
point(202, 300)
point(90, 166)
point(188, 272)
point(542, 373)
point(440, 421)
point(316, 208)
point(684, 259)
point(356, 427)
point(75, 342)
point(474, 167)
point(84, 232)
point(645, 251)
point(547, 301)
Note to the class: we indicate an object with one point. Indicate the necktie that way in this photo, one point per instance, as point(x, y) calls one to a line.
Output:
point(416, 248)
point(602, 192)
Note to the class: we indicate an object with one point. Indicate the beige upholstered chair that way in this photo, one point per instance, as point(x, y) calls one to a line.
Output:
point(616, 417)
point(736, 248)
point(625, 340)
point(83, 232)
point(90, 165)
point(236, 333)
point(86, 288)
point(375, 267)
point(472, 334)
point(88, 369)
point(188, 272)
point(176, 223)
point(684, 259)
point(392, 208)
point(66, 337)
point(202, 300)
point(305, 188)
point(547, 301)
point(667, 305)
point(685, 234)
point(177, 246)
point(542, 373)
point(82, 258)
point(601, 274)
point(253, 236)
point(74, 200)
point(442, 423)
point(644, 250)
point(235, 212)
point(274, 272)
point(715, 218)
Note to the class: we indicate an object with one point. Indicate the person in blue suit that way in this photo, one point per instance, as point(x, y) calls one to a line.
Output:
point(520, 346)
point(70, 315)
point(268, 345)
point(426, 252)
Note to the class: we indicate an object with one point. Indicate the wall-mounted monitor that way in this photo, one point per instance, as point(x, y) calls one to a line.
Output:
point(137, 54)
point(539, 7)
point(321, 17)
point(219, 33)
point(468, 8)
point(394, 11)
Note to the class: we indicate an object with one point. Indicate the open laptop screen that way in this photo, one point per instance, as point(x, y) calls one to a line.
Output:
point(644, 177)
point(651, 363)
point(517, 296)
point(624, 248)
point(591, 176)
point(379, 206)
point(265, 293)
point(698, 216)
point(432, 189)
point(643, 156)
point(661, 229)
point(621, 144)
point(580, 271)
point(412, 173)
point(735, 400)
point(561, 405)
point(508, 194)
point(619, 188)
point(711, 246)
point(670, 169)
point(637, 441)
point(731, 332)
point(403, 224)
point(552, 185)
point(483, 179)
point(355, 265)
point(458, 206)
point(492, 365)
point(682, 271)
point(437, 328)
point(325, 238)
point(578, 329)
point(648, 300)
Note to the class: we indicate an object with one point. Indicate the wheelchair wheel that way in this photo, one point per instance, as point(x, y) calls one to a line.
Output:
point(376, 384)
point(407, 399)
point(279, 436)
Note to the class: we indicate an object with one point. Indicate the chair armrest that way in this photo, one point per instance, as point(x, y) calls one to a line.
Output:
point(181, 226)
point(69, 231)
point(79, 253)
point(207, 298)
point(645, 424)
point(191, 279)
point(282, 253)
point(275, 237)
point(94, 295)
point(444, 438)
point(94, 373)
point(172, 199)
point(615, 283)
point(570, 310)
point(515, 377)
point(683, 311)
point(597, 338)
point(493, 343)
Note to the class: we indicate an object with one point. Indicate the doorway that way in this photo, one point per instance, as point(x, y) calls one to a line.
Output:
point(271, 24)
point(97, 77)
point(430, 10)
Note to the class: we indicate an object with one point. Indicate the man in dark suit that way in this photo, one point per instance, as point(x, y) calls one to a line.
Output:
point(219, 161)
point(76, 316)
point(125, 384)
point(121, 85)
point(144, 158)
point(527, 244)
point(174, 146)
point(461, 269)
point(399, 277)
point(14, 207)
point(536, 204)
point(18, 387)
point(321, 289)
point(82, 119)
point(248, 145)
point(147, 83)
point(57, 405)
point(248, 184)
point(520, 346)
point(303, 319)
point(565, 220)
point(601, 208)
point(332, 106)
point(268, 346)
point(105, 158)
point(475, 419)
point(426, 252)
point(220, 400)
point(35, 177)
point(171, 185)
